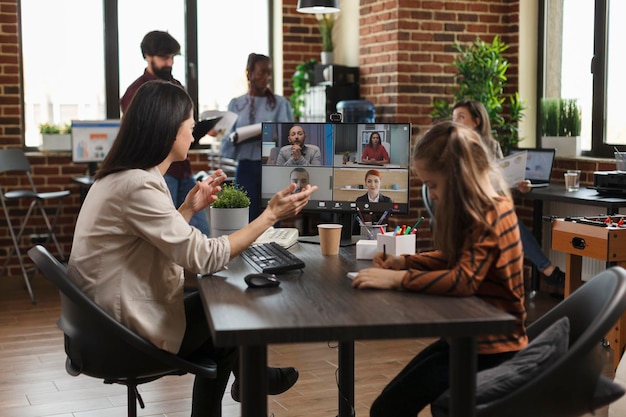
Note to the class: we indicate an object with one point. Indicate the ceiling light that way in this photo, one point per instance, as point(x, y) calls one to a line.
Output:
point(318, 6)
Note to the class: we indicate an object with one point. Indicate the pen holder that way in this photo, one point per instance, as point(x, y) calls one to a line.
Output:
point(396, 245)
point(369, 231)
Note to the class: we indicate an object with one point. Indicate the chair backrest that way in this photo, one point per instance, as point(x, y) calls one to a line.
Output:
point(13, 159)
point(98, 345)
point(429, 205)
point(567, 386)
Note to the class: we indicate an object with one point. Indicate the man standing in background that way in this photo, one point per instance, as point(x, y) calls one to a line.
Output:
point(159, 49)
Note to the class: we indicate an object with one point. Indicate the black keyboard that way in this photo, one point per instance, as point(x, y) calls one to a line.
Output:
point(271, 258)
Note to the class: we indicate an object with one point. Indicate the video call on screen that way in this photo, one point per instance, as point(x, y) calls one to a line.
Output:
point(343, 165)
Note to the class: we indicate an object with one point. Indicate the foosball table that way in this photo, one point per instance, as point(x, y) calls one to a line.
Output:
point(598, 237)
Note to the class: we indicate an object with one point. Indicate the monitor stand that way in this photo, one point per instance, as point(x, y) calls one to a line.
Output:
point(93, 167)
point(347, 239)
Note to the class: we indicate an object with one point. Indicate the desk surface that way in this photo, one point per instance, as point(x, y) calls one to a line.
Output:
point(586, 196)
point(320, 304)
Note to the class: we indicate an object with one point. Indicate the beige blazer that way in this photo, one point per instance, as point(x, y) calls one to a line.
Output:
point(130, 249)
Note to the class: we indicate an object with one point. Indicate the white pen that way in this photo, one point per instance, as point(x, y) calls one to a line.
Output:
point(217, 178)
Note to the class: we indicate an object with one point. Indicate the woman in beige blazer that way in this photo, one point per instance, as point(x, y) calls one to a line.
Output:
point(131, 245)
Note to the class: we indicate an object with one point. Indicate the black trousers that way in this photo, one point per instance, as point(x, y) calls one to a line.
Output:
point(424, 379)
point(207, 392)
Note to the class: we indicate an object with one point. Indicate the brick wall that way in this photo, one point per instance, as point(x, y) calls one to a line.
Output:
point(405, 56)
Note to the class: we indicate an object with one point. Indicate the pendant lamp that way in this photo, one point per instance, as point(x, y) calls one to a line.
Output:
point(318, 6)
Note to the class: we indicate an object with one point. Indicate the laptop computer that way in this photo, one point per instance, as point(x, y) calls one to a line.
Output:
point(539, 164)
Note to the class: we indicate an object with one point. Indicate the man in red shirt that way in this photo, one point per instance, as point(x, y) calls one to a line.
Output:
point(159, 49)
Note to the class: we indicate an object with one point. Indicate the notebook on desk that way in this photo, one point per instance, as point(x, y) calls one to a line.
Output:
point(539, 164)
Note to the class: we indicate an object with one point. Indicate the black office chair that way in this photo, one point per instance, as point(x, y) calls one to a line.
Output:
point(430, 208)
point(14, 160)
point(99, 346)
point(573, 384)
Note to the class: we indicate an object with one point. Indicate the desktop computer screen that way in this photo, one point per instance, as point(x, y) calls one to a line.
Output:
point(349, 170)
point(92, 139)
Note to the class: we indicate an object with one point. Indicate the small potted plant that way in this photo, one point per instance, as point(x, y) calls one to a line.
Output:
point(326, 22)
point(230, 211)
point(55, 137)
point(561, 126)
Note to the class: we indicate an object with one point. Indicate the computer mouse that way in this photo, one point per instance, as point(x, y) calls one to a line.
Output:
point(261, 280)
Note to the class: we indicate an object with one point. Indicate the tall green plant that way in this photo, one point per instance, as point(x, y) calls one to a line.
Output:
point(301, 81)
point(481, 76)
point(326, 22)
point(560, 117)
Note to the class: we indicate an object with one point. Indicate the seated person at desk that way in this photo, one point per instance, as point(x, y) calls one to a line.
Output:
point(297, 153)
point(132, 247)
point(300, 177)
point(473, 114)
point(374, 152)
point(479, 253)
point(373, 180)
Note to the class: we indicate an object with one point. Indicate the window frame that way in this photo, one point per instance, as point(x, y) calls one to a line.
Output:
point(111, 57)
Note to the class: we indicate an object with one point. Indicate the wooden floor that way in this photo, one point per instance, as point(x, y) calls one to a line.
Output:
point(33, 382)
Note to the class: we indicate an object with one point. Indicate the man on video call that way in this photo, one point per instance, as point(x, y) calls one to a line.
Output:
point(297, 153)
point(300, 177)
point(159, 49)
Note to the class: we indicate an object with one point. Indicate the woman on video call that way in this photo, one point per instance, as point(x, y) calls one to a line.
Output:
point(374, 152)
point(373, 180)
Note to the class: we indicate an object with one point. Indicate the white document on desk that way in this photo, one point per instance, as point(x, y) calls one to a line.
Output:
point(514, 168)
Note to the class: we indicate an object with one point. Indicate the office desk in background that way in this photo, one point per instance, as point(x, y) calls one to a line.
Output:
point(319, 304)
point(558, 193)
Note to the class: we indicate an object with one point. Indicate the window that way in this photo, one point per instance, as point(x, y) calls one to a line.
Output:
point(64, 66)
point(616, 83)
point(224, 46)
point(582, 60)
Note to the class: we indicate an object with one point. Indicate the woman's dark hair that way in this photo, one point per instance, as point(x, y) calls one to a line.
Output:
point(148, 128)
point(380, 140)
point(254, 59)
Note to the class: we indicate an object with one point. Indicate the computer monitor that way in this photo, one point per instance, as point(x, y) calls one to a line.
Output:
point(92, 139)
point(343, 172)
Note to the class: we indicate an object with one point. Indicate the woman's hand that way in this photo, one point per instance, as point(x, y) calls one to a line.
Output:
point(284, 204)
point(378, 278)
point(202, 194)
point(524, 187)
point(390, 262)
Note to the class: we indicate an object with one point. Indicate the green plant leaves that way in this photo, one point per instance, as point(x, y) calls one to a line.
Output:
point(301, 81)
point(481, 75)
point(232, 196)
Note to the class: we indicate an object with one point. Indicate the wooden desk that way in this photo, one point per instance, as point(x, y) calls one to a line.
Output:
point(604, 243)
point(319, 304)
point(558, 193)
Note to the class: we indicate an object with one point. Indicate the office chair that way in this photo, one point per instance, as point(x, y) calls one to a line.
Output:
point(571, 385)
point(99, 346)
point(14, 160)
point(430, 208)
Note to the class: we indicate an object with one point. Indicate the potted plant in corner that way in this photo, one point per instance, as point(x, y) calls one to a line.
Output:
point(55, 137)
point(481, 75)
point(229, 212)
point(561, 125)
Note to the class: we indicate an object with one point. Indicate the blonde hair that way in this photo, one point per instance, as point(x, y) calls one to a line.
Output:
point(458, 153)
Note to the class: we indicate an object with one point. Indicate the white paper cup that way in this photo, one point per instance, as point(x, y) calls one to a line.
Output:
point(330, 237)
